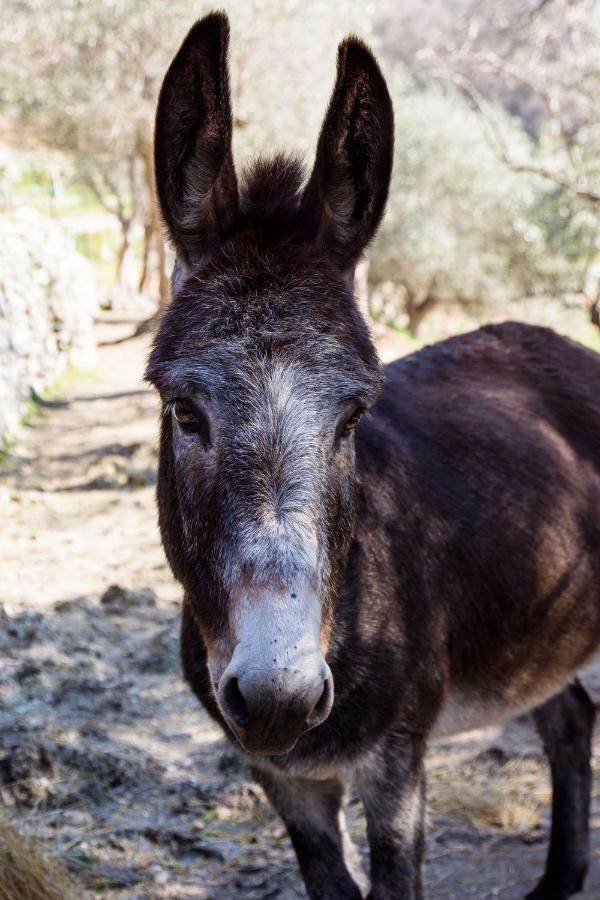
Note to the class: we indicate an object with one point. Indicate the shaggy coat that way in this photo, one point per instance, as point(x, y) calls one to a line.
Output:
point(370, 556)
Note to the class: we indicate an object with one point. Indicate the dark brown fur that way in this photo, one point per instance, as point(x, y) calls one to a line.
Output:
point(460, 528)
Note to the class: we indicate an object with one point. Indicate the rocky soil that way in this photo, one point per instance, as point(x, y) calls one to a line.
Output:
point(104, 754)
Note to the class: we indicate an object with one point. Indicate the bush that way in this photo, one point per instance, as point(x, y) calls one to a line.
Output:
point(461, 227)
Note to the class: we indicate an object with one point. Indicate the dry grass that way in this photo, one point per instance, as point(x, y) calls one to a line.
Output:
point(510, 798)
point(26, 873)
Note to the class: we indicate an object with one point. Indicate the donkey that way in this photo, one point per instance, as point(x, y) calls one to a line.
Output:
point(370, 556)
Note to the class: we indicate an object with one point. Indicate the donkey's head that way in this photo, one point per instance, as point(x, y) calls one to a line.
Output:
point(264, 366)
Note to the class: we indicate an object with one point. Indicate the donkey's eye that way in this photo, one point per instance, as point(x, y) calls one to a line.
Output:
point(183, 412)
point(352, 421)
point(191, 419)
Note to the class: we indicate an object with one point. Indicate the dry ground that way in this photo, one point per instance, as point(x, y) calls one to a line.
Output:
point(105, 756)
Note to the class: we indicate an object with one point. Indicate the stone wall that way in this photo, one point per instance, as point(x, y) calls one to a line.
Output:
point(48, 298)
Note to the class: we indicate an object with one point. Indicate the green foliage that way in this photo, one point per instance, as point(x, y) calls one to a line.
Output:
point(91, 245)
point(461, 227)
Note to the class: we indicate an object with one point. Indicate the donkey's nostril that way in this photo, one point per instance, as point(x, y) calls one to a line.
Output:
point(322, 707)
point(235, 704)
point(269, 709)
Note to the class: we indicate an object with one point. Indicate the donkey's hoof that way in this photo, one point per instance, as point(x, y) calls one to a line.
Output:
point(553, 888)
point(544, 892)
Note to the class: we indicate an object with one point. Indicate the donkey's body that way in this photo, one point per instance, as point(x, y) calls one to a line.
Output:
point(472, 588)
point(441, 570)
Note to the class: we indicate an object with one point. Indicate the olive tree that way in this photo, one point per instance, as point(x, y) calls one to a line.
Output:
point(461, 227)
point(539, 62)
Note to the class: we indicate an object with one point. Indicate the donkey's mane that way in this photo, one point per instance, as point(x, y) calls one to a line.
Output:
point(271, 187)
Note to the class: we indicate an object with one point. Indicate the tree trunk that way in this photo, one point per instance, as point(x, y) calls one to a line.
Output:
point(416, 311)
point(595, 312)
point(122, 252)
point(147, 239)
point(591, 291)
point(154, 222)
point(164, 288)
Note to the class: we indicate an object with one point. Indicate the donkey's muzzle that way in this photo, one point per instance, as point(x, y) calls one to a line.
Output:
point(270, 709)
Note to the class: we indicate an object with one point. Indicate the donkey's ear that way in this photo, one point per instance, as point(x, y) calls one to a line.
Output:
point(345, 197)
point(195, 175)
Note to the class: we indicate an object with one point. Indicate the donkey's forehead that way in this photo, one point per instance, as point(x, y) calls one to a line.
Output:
point(249, 290)
point(233, 370)
point(224, 327)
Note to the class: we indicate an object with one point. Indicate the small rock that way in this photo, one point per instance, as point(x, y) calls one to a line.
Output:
point(162, 655)
point(138, 478)
point(107, 875)
point(118, 599)
point(73, 604)
point(28, 670)
point(23, 629)
point(161, 877)
point(76, 817)
point(103, 483)
point(184, 844)
point(26, 769)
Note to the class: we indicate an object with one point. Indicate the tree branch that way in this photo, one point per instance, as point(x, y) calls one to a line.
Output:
point(498, 143)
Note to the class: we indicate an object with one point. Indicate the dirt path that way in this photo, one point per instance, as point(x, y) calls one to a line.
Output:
point(103, 752)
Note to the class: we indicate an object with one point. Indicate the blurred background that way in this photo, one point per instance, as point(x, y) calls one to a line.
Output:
point(494, 213)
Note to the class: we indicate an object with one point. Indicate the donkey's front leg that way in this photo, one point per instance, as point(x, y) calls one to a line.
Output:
point(312, 812)
point(392, 787)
